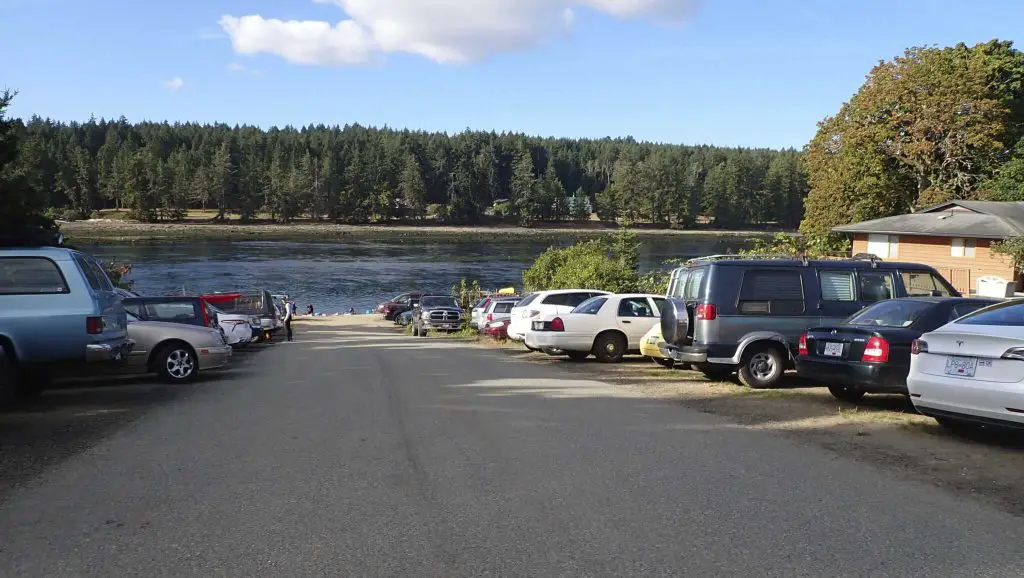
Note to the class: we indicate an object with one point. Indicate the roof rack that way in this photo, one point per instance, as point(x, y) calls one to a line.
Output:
point(874, 259)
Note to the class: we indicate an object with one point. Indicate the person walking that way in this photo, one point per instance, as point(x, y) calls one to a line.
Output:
point(289, 313)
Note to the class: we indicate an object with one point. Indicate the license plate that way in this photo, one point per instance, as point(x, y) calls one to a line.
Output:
point(961, 366)
point(834, 349)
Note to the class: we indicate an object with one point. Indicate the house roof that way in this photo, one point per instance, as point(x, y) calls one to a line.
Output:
point(971, 219)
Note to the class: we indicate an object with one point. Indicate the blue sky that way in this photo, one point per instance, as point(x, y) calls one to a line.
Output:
point(748, 73)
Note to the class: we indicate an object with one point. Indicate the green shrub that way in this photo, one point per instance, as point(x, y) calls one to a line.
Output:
point(608, 264)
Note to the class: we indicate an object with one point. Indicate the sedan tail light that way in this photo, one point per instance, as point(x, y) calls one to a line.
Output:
point(94, 325)
point(803, 344)
point(706, 312)
point(918, 346)
point(557, 324)
point(876, 350)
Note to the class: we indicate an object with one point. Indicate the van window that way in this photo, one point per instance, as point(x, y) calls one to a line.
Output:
point(30, 276)
point(691, 290)
point(768, 291)
point(918, 283)
point(677, 283)
point(876, 286)
point(837, 286)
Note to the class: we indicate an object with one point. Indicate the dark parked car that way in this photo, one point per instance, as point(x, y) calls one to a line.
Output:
point(400, 304)
point(437, 313)
point(733, 314)
point(870, 351)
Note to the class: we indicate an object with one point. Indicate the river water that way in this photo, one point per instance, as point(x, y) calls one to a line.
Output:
point(358, 274)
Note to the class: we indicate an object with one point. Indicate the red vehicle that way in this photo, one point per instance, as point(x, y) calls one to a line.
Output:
point(497, 330)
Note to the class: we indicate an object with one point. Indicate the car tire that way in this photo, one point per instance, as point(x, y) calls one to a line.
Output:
point(664, 362)
point(579, 355)
point(846, 393)
point(177, 363)
point(762, 367)
point(609, 347)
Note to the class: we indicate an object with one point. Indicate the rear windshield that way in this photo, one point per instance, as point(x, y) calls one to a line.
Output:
point(895, 313)
point(428, 302)
point(1010, 313)
point(163, 311)
point(30, 276)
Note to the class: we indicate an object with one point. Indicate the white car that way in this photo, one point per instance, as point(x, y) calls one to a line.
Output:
point(238, 329)
point(972, 370)
point(607, 326)
point(541, 303)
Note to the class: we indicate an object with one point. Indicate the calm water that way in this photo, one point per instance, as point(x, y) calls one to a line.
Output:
point(336, 276)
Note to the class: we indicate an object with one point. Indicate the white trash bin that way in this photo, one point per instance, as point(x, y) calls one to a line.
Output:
point(992, 286)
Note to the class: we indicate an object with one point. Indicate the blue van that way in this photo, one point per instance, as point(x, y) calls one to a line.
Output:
point(58, 311)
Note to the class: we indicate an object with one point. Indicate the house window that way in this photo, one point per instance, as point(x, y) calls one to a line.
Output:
point(963, 247)
point(883, 246)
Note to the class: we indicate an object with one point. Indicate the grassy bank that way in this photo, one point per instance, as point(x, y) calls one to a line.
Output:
point(195, 230)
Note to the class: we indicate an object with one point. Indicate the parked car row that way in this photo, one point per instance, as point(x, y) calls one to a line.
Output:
point(858, 326)
point(60, 315)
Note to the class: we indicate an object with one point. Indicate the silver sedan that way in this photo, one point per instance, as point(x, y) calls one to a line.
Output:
point(177, 352)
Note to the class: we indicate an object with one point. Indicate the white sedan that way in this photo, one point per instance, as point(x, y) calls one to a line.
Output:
point(238, 329)
point(607, 326)
point(972, 370)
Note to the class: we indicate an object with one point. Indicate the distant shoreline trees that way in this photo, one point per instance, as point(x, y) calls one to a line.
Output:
point(354, 174)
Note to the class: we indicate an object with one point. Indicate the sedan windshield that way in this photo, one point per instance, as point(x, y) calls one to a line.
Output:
point(430, 302)
point(893, 313)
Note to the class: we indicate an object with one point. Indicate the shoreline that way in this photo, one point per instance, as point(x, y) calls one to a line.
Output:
point(125, 231)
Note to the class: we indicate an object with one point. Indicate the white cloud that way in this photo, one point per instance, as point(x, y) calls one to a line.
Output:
point(442, 30)
point(242, 69)
point(176, 83)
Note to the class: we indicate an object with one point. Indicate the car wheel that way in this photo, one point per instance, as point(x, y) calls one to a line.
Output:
point(579, 355)
point(664, 362)
point(762, 367)
point(846, 393)
point(177, 363)
point(609, 348)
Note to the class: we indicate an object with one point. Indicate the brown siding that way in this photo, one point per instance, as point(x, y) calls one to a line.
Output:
point(962, 272)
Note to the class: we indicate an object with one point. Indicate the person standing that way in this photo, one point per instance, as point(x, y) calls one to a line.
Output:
point(289, 313)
